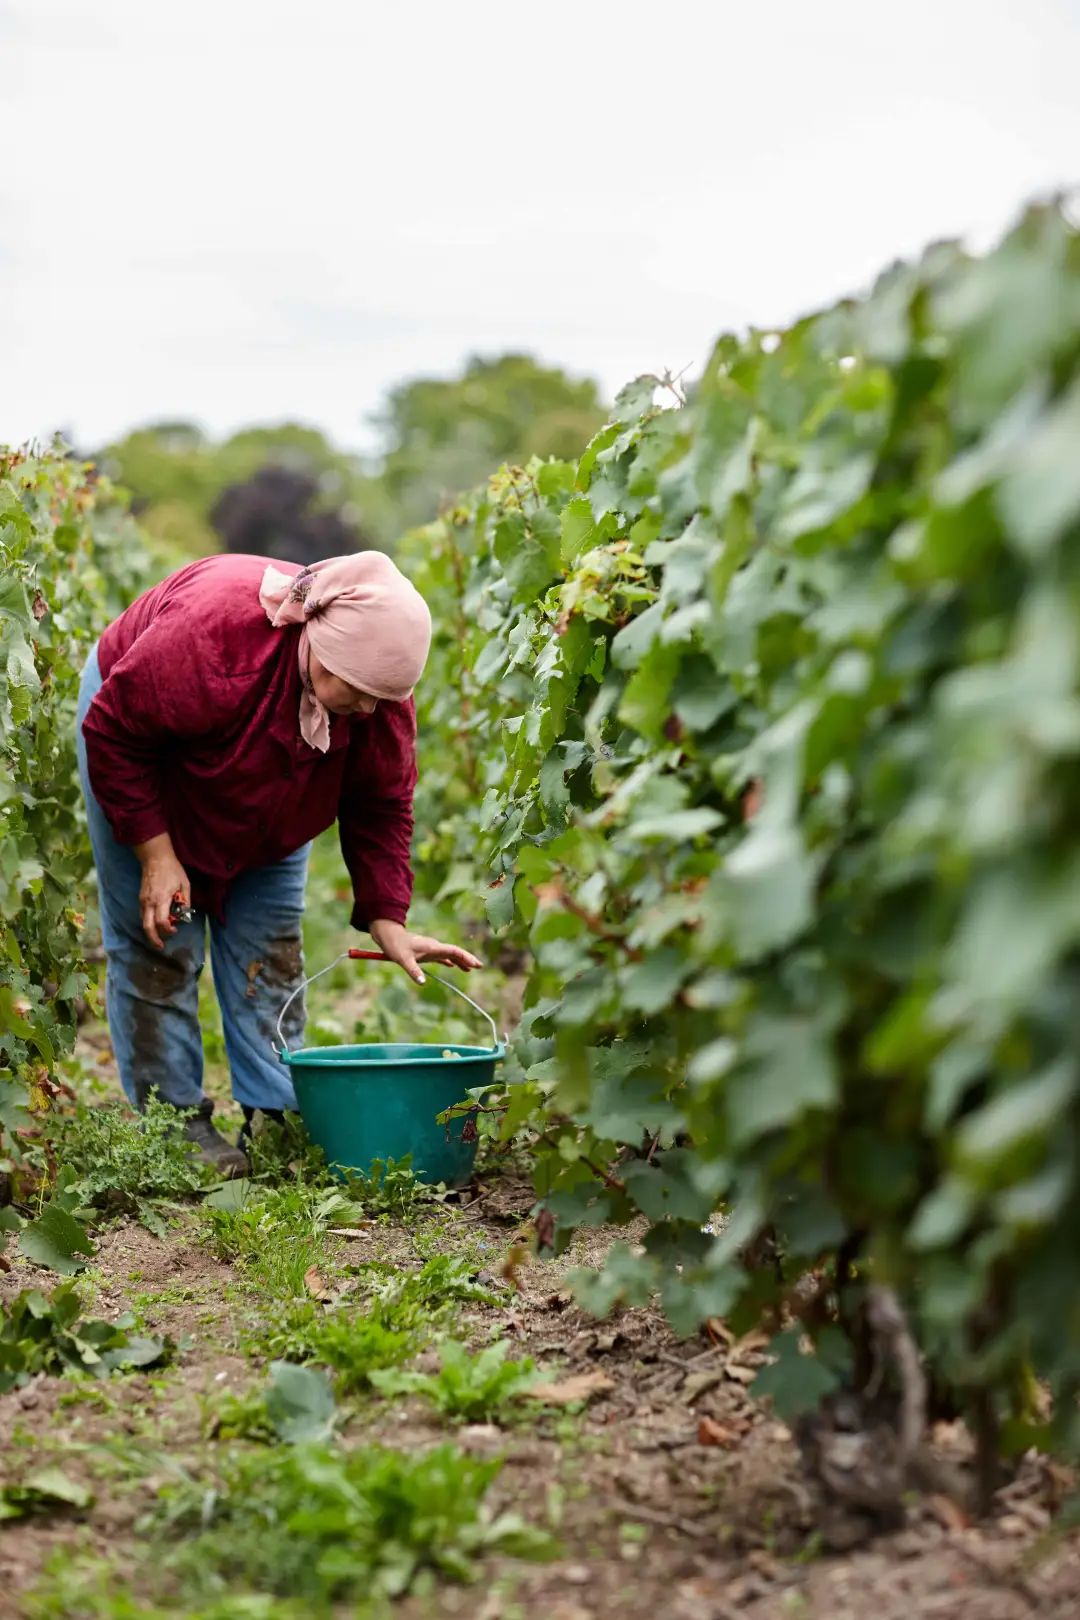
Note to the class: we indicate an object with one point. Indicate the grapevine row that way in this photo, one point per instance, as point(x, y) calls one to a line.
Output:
point(759, 728)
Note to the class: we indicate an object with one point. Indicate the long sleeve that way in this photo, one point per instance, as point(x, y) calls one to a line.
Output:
point(165, 688)
point(375, 815)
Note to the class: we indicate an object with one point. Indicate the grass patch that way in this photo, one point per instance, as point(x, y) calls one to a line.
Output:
point(398, 1315)
point(273, 1258)
point(274, 1235)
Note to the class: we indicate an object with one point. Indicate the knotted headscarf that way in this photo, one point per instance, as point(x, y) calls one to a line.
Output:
point(366, 622)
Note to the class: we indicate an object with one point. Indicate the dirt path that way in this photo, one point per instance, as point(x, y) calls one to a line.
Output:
point(670, 1492)
point(649, 1520)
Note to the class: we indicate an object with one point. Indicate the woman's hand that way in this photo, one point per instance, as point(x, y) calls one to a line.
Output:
point(409, 950)
point(162, 878)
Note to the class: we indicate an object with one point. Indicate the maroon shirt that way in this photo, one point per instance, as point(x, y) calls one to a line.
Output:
point(196, 732)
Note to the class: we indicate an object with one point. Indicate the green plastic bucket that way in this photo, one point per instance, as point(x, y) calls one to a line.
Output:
point(368, 1102)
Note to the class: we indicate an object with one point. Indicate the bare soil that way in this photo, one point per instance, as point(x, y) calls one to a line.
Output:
point(672, 1493)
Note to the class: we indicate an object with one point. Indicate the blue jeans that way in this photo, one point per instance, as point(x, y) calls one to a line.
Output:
point(152, 996)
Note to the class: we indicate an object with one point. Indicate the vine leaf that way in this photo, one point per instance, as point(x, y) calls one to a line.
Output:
point(56, 1240)
point(300, 1403)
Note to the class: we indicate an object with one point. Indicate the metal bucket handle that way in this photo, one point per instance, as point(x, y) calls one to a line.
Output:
point(357, 955)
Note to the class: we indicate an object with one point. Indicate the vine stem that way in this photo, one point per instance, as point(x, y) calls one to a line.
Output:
point(593, 923)
point(896, 1342)
point(602, 1175)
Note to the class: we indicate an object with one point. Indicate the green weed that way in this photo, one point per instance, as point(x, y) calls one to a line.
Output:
point(119, 1162)
point(276, 1234)
point(295, 1405)
point(52, 1336)
point(123, 1460)
point(353, 1345)
point(44, 1490)
point(92, 1395)
point(399, 1311)
point(390, 1188)
point(316, 1524)
point(236, 1417)
point(279, 1154)
point(443, 1235)
point(428, 1297)
point(467, 1387)
point(171, 1294)
point(274, 1257)
point(92, 1588)
point(310, 1206)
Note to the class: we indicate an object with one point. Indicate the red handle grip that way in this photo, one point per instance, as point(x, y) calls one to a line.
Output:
point(358, 955)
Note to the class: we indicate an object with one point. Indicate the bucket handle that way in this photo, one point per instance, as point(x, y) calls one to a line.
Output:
point(357, 955)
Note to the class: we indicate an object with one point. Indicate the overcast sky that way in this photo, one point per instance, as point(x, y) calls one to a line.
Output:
point(244, 211)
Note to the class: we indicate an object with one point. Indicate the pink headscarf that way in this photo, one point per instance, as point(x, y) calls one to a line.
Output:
point(364, 619)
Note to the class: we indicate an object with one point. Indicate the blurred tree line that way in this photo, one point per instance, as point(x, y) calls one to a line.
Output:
point(288, 492)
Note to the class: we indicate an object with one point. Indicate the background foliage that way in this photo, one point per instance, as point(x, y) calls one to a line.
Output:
point(194, 496)
point(69, 561)
point(442, 435)
point(287, 491)
point(758, 725)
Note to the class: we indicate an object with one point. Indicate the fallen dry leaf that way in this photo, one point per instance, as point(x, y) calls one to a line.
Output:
point(578, 1387)
point(717, 1332)
point(728, 1431)
point(949, 1514)
point(711, 1433)
point(516, 1257)
point(315, 1285)
point(349, 1232)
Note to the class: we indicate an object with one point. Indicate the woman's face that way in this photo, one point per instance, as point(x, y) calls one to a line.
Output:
point(335, 694)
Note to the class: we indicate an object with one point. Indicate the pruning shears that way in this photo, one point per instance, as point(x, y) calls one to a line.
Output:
point(178, 912)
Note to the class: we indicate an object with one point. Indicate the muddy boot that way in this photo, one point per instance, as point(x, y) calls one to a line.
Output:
point(212, 1146)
